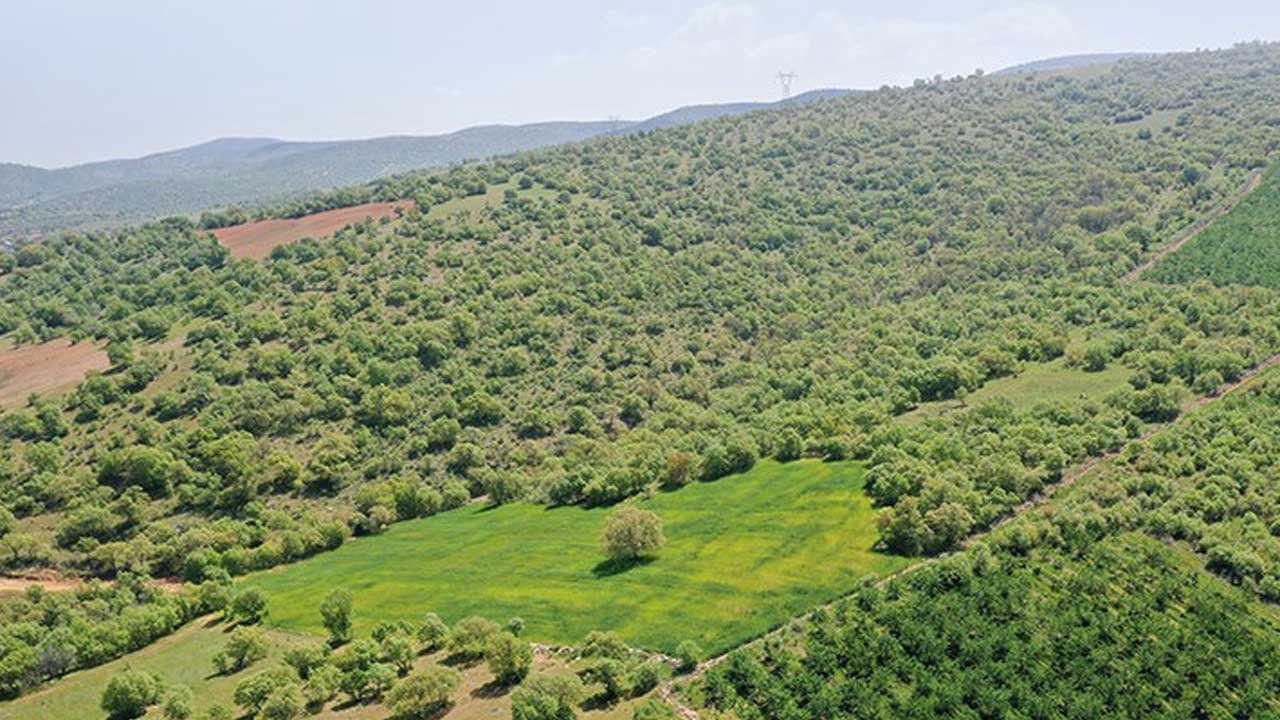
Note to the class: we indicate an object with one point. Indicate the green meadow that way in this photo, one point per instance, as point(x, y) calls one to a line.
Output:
point(743, 554)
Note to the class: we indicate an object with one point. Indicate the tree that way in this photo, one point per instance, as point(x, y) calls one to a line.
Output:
point(284, 703)
point(424, 692)
point(245, 646)
point(470, 637)
point(682, 468)
point(177, 703)
point(253, 692)
point(433, 633)
point(129, 694)
point(689, 653)
point(509, 658)
point(790, 446)
point(631, 533)
point(546, 697)
point(335, 613)
point(249, 607)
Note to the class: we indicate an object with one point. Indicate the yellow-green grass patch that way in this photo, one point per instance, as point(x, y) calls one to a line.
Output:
point(743, 554)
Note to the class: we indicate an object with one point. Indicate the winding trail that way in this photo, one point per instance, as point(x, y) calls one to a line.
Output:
point(1199, 226)
point(668, 691)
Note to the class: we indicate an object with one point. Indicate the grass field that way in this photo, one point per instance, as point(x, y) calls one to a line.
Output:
point(1242, 247)
point(1043, 382)
point(186, 658)
point(743, 554)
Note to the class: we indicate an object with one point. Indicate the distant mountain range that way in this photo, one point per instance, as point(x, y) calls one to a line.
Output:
point(235, 171)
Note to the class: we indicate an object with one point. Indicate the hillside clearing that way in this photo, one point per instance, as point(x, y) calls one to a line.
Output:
point(256, 240)
point(743, 554)
point(45, 368)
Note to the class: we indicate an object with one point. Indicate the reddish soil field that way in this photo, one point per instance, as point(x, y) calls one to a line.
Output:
point(52, 366)
point(256, 239)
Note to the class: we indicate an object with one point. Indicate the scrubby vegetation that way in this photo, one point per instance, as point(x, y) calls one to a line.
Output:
point(648, 314)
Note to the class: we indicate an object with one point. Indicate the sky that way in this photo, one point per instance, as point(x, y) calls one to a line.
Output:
point(87, 80)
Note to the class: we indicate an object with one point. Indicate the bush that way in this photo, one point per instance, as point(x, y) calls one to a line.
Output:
point(335, 612)
point(547, 697)
point(632, 533)
point(470, 637)
point(600, 644)
point(245, 646)
point(129, 694)
point(689, 653)
point(248, 607)
point(177, 704)
point(433, 633)
point(424, 693)
point(509, 658)
point(253, 692)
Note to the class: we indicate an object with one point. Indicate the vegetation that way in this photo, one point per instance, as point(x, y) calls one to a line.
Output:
point(683, 322)
point(804, 529)
point(1242, 248)
point(631, 533)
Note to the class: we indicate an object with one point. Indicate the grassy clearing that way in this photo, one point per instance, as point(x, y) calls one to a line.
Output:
point(186, 658)
point(1242, 247)
point(743, 554)
point(1043, 382)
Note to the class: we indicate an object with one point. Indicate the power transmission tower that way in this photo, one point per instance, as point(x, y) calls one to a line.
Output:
point(785, 78)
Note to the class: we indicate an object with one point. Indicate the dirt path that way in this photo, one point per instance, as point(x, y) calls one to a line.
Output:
point(667, 691)
point(1197, 227)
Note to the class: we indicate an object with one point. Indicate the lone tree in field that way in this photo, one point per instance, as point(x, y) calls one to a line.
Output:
point(335, 611)
point(632, 533)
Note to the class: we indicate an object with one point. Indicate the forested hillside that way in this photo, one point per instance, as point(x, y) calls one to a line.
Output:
point(242, 173)
point(640, 313)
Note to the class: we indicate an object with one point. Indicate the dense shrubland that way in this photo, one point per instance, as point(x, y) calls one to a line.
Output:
point(655, 309)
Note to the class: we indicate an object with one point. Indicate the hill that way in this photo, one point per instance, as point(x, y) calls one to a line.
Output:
point(1068, 62)
point(250, 171)
point(899, 329)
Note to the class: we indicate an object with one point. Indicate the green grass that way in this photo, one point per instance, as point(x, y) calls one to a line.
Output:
point(186, 658)
point(743, 554)
point(1241, 248)
point(1042, 382)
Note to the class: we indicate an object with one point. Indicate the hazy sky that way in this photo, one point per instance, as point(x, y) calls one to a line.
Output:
point(96, 79)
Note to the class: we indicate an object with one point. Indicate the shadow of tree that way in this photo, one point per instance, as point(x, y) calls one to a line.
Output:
point(615, 566)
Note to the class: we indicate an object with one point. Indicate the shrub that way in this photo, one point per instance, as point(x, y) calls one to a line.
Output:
point(600, 644)
point(335, 612)
point(470, 637)
point(424, 693)
point(253, 692)
point(689, 653)
point(245, 646)
point(632, 533)
point(129, 694)
point(433, 633)
point(248, 607)
point(509, 658)
point(177, 704)
point(546, 697)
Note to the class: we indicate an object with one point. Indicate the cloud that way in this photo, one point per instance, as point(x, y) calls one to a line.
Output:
point(745, 44)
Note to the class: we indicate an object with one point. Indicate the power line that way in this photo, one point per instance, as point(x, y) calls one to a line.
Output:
point(784, 79)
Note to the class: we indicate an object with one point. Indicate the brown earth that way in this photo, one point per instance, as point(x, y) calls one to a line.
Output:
point(48, 367)
point(256, 240)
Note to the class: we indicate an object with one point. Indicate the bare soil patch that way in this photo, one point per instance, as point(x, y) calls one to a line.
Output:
point(45, 368)
point(256, 240)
